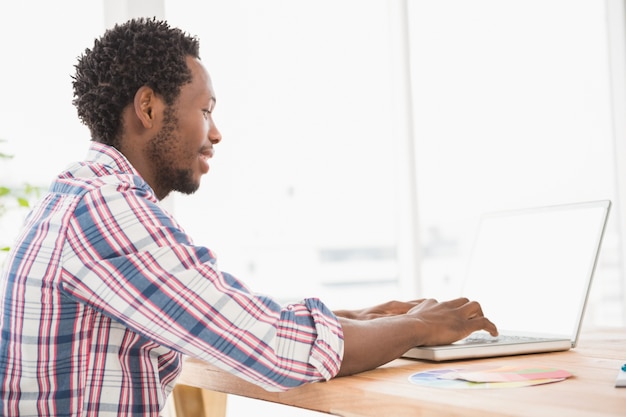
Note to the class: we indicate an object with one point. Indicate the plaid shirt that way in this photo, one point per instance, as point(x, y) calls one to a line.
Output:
point(103, 294)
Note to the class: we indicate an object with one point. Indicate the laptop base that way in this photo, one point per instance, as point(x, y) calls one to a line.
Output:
point(464, 351)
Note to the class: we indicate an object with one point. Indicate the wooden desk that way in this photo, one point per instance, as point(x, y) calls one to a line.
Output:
point(386, 391)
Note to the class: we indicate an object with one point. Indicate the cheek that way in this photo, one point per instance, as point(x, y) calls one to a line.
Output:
point(191, 137)
point(198, 131)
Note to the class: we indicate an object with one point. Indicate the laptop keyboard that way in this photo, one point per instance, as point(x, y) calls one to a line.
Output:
point(483, 337)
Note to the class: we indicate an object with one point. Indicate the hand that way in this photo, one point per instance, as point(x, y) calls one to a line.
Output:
point(449, 321)
point(402, 325)
point(390, 308)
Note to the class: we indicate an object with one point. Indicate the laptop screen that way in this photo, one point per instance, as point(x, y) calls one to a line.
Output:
point(531, 269)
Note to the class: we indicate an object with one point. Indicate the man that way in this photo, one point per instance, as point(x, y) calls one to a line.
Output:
point(104, 292)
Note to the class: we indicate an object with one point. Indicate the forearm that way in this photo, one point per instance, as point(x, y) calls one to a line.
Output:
point(371, 343)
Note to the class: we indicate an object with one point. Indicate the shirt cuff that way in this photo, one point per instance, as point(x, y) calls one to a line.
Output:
point(327, 351)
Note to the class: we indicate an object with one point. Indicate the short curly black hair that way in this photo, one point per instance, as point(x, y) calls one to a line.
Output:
point(140, 52)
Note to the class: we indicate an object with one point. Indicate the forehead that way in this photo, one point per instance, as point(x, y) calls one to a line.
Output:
point(201, 88)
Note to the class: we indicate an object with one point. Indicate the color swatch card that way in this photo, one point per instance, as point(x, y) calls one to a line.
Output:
point(506, 374)
point(481, 377)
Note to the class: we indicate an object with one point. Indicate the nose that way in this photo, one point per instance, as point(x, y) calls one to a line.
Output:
point(215, 136)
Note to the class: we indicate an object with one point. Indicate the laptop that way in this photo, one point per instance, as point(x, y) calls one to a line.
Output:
point(531, 271)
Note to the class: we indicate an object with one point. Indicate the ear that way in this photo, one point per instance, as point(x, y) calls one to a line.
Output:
point(146, 104)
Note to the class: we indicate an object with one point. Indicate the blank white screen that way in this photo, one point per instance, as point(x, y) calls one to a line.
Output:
point(531, 269)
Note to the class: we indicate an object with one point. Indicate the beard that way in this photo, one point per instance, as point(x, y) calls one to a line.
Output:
point(163, 150)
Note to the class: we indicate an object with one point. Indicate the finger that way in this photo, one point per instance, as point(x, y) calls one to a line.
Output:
point(473, 309)
point(483, 323)
point(410, 303)
point(458, 302)
point(490, 327)
point(423, 305)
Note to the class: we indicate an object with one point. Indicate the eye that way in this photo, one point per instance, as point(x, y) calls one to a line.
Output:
point(206, 113)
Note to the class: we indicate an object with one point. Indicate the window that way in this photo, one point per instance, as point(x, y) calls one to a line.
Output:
point(511, 109)
point(39, 123)
point(510, 105)
point(302, 195)
point(308, 195)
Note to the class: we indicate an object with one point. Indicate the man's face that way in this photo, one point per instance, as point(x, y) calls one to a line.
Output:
point(180, 150)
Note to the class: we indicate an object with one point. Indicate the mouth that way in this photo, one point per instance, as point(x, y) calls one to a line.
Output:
point(207, 152)
point(204, 156)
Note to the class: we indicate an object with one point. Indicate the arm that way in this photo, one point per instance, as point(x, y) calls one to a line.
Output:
point(427, 323)
point(141, 269)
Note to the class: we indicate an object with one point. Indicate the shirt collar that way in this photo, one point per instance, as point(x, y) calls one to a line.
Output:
point(110, 156)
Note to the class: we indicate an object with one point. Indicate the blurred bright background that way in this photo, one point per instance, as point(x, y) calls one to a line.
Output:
point(362, 138)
